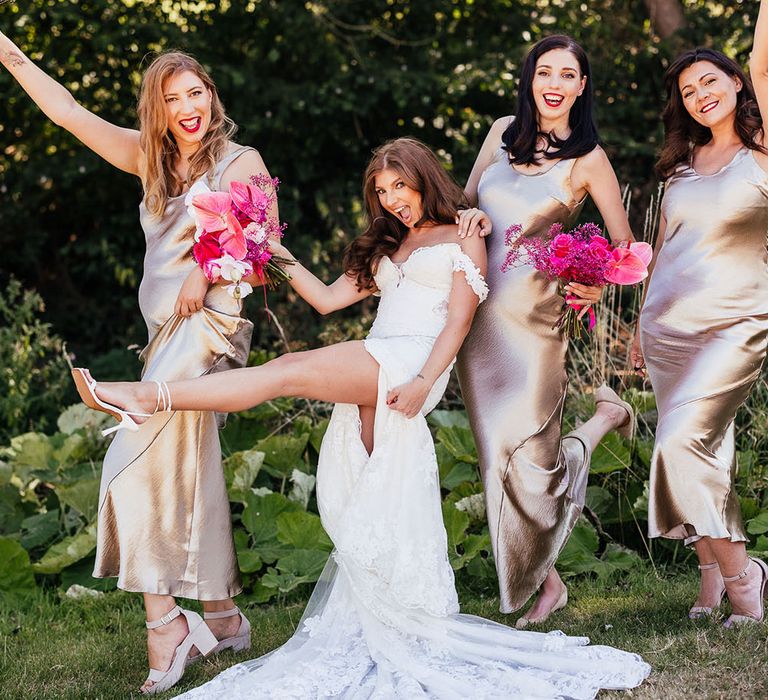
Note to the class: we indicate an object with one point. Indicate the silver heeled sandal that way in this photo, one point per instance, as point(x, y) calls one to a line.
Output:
point(698, 612)
point(735, 620)
point(198, 636)
point(604, 394)
point(86, 388)
point(237, 642)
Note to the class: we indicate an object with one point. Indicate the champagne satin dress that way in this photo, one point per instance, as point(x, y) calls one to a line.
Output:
point(704, 331)
point(164, 522)
point(513, 380)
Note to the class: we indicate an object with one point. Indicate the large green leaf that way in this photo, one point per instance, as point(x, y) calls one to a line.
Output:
point(31, 455)
point(11, 509)
point(295, 568)
point(459, 442)
point(16, 576)
point(304, 562)
point(456, 524)
point(448, 419)
point(240, 471)
point(79, 417)
point(610, 455)
point(318, 433)
point(458, 474)
point(303, 486)
point(303, 531)
point(578, 555)
point(260, 519)
point(758, 525)
point(67, 552)
point(39, 529)
point(283, 453)
point(83, 496)
point(471, 547)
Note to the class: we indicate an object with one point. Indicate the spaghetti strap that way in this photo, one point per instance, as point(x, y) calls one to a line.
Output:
point(224, 163)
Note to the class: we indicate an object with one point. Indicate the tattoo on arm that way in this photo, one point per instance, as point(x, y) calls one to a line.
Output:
point(12, 59)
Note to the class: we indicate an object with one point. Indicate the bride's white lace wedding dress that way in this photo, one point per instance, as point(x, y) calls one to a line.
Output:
point(384, 622)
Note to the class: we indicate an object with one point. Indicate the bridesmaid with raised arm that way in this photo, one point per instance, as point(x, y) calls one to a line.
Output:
point(535, 169)
point(703, 328)
point(164, 525)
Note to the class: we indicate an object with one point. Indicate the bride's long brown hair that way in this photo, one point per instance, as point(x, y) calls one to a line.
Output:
point(682, 133)
point(157, 142)
point(421, 170)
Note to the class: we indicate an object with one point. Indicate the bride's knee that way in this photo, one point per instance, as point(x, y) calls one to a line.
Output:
point(289, 371)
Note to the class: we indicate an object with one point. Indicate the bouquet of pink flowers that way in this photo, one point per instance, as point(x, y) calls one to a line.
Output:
point(582, 255)
point(232, 231)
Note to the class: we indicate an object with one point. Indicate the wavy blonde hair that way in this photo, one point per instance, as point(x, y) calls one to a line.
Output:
point(157, 142)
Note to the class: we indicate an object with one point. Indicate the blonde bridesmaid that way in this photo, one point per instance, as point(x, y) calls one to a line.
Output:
point(704, 324)
point(535, 169)
point(164, 523)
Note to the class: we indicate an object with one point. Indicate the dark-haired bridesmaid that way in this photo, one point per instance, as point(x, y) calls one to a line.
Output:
point(704, 323)
point(535, 169)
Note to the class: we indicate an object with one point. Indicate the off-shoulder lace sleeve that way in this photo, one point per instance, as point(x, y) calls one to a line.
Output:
point(463, 263)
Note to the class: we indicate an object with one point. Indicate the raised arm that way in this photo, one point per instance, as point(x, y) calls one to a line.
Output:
point(117, 145)
point(758, 63)
point(462, 304)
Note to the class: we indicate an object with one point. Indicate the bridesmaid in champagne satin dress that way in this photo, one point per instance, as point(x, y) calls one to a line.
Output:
point(164, 525)
point(704, 323)
point(512, 367)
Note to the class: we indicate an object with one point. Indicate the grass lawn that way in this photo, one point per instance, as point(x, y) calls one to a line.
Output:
point(94, 649)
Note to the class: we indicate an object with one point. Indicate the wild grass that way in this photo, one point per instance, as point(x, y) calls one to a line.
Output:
point(62, 649)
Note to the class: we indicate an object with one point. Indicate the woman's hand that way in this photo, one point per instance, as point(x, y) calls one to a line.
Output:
point(192, 293)
point(276, 247)
point(585, 295)
point(636, 357)
point(473, 221)
point(409, 398)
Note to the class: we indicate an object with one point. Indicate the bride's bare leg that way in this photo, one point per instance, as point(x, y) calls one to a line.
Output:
point(367, 418)
point(341, 373)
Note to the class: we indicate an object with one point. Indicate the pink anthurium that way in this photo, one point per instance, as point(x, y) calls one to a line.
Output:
point(625, 266)
point(250, 200)
point(211, 210)
point(232, 239)
point(644, 251)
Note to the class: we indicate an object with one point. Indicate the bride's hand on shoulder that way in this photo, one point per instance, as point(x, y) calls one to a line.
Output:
point(192, 294)
point(473, 221)
point(409, 398)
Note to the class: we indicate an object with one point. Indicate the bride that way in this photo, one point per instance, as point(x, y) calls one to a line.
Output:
point(384, 621)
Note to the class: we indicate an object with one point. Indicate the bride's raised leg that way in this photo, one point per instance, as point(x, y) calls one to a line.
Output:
point(341, 373)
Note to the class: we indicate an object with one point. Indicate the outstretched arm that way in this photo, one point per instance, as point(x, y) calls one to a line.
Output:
point(117, 145)
point(323, 297)
point(758, 63)
point(462, 304)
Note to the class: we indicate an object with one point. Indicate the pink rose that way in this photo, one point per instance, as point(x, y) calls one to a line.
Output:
point(561, 244)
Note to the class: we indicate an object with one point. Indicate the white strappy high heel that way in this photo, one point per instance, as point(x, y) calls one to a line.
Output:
point(199, 636)
point(86, 388)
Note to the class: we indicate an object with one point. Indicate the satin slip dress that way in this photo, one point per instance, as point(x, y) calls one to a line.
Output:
point(704, 331)
point(513, 380)
point(164, 523)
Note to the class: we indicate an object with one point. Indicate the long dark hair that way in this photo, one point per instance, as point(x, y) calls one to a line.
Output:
point(522, 134)
point(421, 171)
point(682, 133)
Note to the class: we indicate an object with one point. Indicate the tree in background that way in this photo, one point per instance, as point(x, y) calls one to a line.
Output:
point(314, 86)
